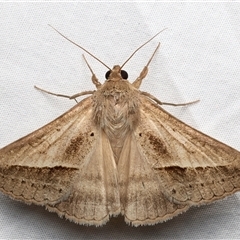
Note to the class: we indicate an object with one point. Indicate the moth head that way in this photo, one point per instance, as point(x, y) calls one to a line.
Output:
point(116, 74)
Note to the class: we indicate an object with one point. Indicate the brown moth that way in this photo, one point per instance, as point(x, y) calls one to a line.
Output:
point(118, 152)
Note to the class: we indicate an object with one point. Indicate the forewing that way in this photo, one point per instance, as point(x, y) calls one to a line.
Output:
point(143, 201)
point(67, 165)
point(95, 194)
point(41, 167)
point(166, 166)
point(191, 167)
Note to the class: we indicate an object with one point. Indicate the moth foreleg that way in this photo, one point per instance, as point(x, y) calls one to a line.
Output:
point(94, 78)
point(137, 83)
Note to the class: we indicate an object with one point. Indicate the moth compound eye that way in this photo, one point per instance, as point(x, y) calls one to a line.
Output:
point(107, 74)
point(124, 74)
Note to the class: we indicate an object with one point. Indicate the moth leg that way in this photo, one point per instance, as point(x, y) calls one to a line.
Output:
point(165, 103)
point(137, 83)
point(94, 78)
point(66, 96)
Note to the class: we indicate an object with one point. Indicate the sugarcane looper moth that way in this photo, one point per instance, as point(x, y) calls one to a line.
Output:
point(118, 152)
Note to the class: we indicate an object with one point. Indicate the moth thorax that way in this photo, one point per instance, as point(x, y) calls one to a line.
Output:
point(116, 111)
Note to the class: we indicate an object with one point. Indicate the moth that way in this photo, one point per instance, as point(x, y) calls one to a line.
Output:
point(118, 152)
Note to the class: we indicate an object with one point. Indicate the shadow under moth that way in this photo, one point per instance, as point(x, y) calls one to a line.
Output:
point(118, 152)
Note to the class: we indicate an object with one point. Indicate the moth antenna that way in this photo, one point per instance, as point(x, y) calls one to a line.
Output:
point(80, 47)
point(141, 47)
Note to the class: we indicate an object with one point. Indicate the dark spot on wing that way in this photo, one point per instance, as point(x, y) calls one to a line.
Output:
point(157, 144)
point(75, 144)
